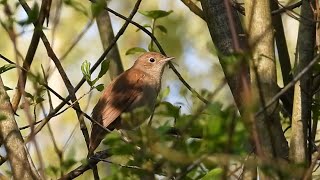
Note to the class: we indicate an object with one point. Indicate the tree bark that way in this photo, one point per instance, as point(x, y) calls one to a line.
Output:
point(106, 36)
point(263, 77)
point(221, 32)
point(301, 116)
point(13, 142)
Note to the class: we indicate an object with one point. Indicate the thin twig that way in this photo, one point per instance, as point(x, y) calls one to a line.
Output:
point(92, 161)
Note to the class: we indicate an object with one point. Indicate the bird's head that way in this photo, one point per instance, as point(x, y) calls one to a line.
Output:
point(152, 62)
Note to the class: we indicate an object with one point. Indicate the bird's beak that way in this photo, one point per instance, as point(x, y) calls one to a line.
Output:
point(168, 59)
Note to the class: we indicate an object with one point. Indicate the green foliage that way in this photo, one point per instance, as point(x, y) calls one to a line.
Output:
point(85, 69)
point(135, 50)
point(104, 68)
point(213, 174)
point(155, 14)
point(210, 130)
point(162, 29)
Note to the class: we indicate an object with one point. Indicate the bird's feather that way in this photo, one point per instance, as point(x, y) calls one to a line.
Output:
point(118, 97)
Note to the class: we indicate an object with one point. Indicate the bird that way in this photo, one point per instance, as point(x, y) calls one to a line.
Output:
point(135, 88)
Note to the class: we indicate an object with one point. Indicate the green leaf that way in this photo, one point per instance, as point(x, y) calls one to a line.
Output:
point(39, 99)
point(100, 87)
point(6, 67)
point(213, 174)
point(85, 68)
point(123, 149)
point(104, 68)
point(156, 14)
point(135, 50)
point(162, 29)
point(29, 95)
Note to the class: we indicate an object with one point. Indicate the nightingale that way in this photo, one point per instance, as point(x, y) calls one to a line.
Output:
point(135, 88)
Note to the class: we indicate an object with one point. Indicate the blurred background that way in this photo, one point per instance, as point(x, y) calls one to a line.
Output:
point(187, 39)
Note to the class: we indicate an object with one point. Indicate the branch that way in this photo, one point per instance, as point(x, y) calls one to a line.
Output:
point(30, 54)
point(241, 10)
point(94, 67)
point(194, 8)
point(92, 161)
point(13, 142)
point(106, 36)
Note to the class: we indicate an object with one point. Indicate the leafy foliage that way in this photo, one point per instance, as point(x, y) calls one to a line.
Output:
point(135, 50)
point(85, 69)
point(155, 14)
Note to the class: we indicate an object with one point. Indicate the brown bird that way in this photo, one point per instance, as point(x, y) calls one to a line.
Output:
point(135, 88)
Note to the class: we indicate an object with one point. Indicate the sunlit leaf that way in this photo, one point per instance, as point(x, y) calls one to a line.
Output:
point(213, 174)
point(155, 14)
point(85, 69)
point(135, 50)
point(100, 87)
point(104, 68)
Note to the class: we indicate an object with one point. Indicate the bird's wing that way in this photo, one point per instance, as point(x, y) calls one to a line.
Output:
point(117, 97)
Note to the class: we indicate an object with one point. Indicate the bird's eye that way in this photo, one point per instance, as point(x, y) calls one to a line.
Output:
point(152, 60)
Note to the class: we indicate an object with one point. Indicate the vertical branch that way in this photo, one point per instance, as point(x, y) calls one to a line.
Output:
point(106, 36)
point(263, 75)
point(228, 39)
point(13, 141)
point(301, 116)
